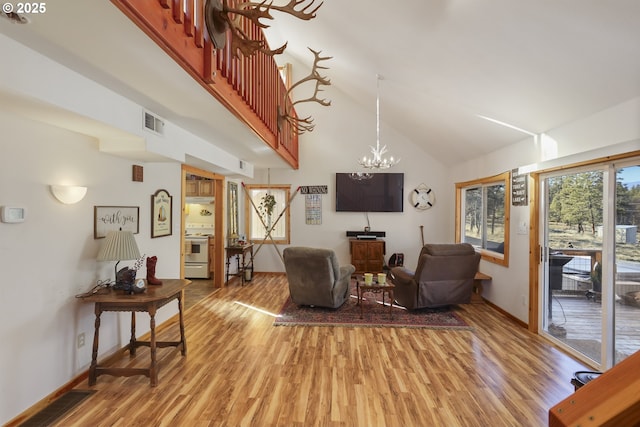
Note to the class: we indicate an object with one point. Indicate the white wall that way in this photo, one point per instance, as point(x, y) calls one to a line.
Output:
point(46, 113)
point(38, 87)
point(343, 134)
point(615, 130)
point(51, 257)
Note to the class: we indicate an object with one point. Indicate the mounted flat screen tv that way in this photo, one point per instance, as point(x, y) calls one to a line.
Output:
point(383, 192)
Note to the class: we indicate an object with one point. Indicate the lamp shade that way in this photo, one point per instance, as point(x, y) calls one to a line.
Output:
point(119, 245)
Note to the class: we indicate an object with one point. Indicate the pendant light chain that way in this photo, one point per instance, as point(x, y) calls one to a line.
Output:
point(377, 161)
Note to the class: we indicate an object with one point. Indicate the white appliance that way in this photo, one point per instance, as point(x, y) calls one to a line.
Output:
point(196, 258)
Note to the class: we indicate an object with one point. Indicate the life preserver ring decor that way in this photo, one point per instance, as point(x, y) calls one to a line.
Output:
point(422, 197)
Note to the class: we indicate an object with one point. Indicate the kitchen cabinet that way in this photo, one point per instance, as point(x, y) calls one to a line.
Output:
point(367, 255)
point(205, 188)
point(191, 188)
point(199, 188)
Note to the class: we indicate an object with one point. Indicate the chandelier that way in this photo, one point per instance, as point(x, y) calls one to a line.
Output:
point(360, 176)
point(377, 161)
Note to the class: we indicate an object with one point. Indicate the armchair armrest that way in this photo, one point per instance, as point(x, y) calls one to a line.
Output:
point(401, 275)
point(346, 271)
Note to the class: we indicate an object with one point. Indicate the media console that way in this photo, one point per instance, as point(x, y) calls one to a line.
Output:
point(366, 235)
point(367, 255)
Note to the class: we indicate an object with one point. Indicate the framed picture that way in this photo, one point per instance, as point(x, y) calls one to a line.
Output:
point(107, 218)
point(161, 205)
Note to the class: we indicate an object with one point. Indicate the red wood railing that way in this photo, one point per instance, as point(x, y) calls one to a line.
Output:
point(251, 88)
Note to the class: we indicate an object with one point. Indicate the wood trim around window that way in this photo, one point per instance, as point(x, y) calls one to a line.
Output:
point(249, 210)
point(487, 255)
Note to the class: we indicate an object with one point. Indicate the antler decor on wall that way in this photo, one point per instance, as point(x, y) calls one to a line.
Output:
point(219, 18)
point(306, 124)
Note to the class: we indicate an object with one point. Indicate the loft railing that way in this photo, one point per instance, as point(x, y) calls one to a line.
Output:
point(251, 88)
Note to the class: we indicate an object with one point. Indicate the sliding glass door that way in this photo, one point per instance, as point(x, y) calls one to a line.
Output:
point(626, 289)
point(591, 261)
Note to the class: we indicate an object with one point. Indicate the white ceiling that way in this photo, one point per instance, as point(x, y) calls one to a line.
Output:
point(533, 64)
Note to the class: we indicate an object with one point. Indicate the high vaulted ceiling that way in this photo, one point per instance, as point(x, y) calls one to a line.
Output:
point(532, 64)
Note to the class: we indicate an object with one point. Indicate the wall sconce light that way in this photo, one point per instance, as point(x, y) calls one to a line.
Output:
point(68, 194)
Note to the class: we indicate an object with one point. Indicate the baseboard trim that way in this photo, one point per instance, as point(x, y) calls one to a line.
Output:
point(74, 382)
point(507, 314)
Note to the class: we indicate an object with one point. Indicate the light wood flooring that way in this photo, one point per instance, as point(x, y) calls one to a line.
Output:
point(240, 370)
point(197, 291)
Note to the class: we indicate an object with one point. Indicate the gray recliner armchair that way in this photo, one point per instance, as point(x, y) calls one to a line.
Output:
point(315, 277)
point(444, 276)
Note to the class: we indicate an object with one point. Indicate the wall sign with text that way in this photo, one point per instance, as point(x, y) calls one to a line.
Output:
point(108, 218)
point(314, 189)
point(161, 205)
point(519, 189)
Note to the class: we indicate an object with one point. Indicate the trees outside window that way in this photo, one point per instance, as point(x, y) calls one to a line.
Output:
point(482, 216)
point(576, 200)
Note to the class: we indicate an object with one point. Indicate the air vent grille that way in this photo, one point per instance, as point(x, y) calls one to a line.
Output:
point(153, 123)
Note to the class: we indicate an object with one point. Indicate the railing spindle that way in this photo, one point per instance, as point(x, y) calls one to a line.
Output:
point(246, 86)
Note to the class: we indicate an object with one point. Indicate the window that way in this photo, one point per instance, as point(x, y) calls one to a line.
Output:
point(267, 207)
point(482, 216)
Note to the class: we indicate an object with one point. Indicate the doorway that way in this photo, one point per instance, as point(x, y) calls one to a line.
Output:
point(590, 267)
point(213, 194)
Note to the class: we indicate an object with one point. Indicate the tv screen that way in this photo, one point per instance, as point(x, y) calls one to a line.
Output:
point(383, 192)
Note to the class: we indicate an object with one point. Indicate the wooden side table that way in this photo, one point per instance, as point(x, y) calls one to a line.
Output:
point(476, 297)
point(150, 301)
point(238, 252)
point(374, 287)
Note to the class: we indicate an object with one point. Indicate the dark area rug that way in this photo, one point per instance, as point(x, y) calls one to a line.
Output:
point(374, 314)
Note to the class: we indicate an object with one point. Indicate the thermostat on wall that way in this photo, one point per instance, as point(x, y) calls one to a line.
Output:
point(12, 214)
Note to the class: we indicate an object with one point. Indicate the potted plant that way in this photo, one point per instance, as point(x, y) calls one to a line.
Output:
point(267, 203)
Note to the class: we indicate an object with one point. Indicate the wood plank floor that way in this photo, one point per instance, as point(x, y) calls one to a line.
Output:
point(242, 371)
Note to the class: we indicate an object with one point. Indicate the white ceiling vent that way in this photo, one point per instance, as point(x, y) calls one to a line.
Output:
point(153, 123)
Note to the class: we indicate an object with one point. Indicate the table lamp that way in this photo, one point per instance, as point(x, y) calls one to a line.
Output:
point(119, 245)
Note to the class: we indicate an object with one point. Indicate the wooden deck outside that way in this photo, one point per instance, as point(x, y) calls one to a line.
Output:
point(582, 320)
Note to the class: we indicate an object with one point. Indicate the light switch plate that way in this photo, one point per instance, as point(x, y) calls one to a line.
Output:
point(523, 228)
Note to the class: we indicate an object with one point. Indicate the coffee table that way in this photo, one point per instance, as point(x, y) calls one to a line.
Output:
point(374, 287)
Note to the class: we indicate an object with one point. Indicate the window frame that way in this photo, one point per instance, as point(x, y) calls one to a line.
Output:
point(461, 187)
point(251, 214)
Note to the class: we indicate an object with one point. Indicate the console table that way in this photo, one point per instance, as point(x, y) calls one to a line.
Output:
point(150, 301)
point(239, 251)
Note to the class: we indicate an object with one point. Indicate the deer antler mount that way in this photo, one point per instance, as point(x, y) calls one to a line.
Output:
point(306, 124)
point(220, 17)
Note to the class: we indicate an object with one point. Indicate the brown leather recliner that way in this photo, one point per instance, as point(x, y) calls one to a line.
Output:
point(315, 277)
point(444, 276)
